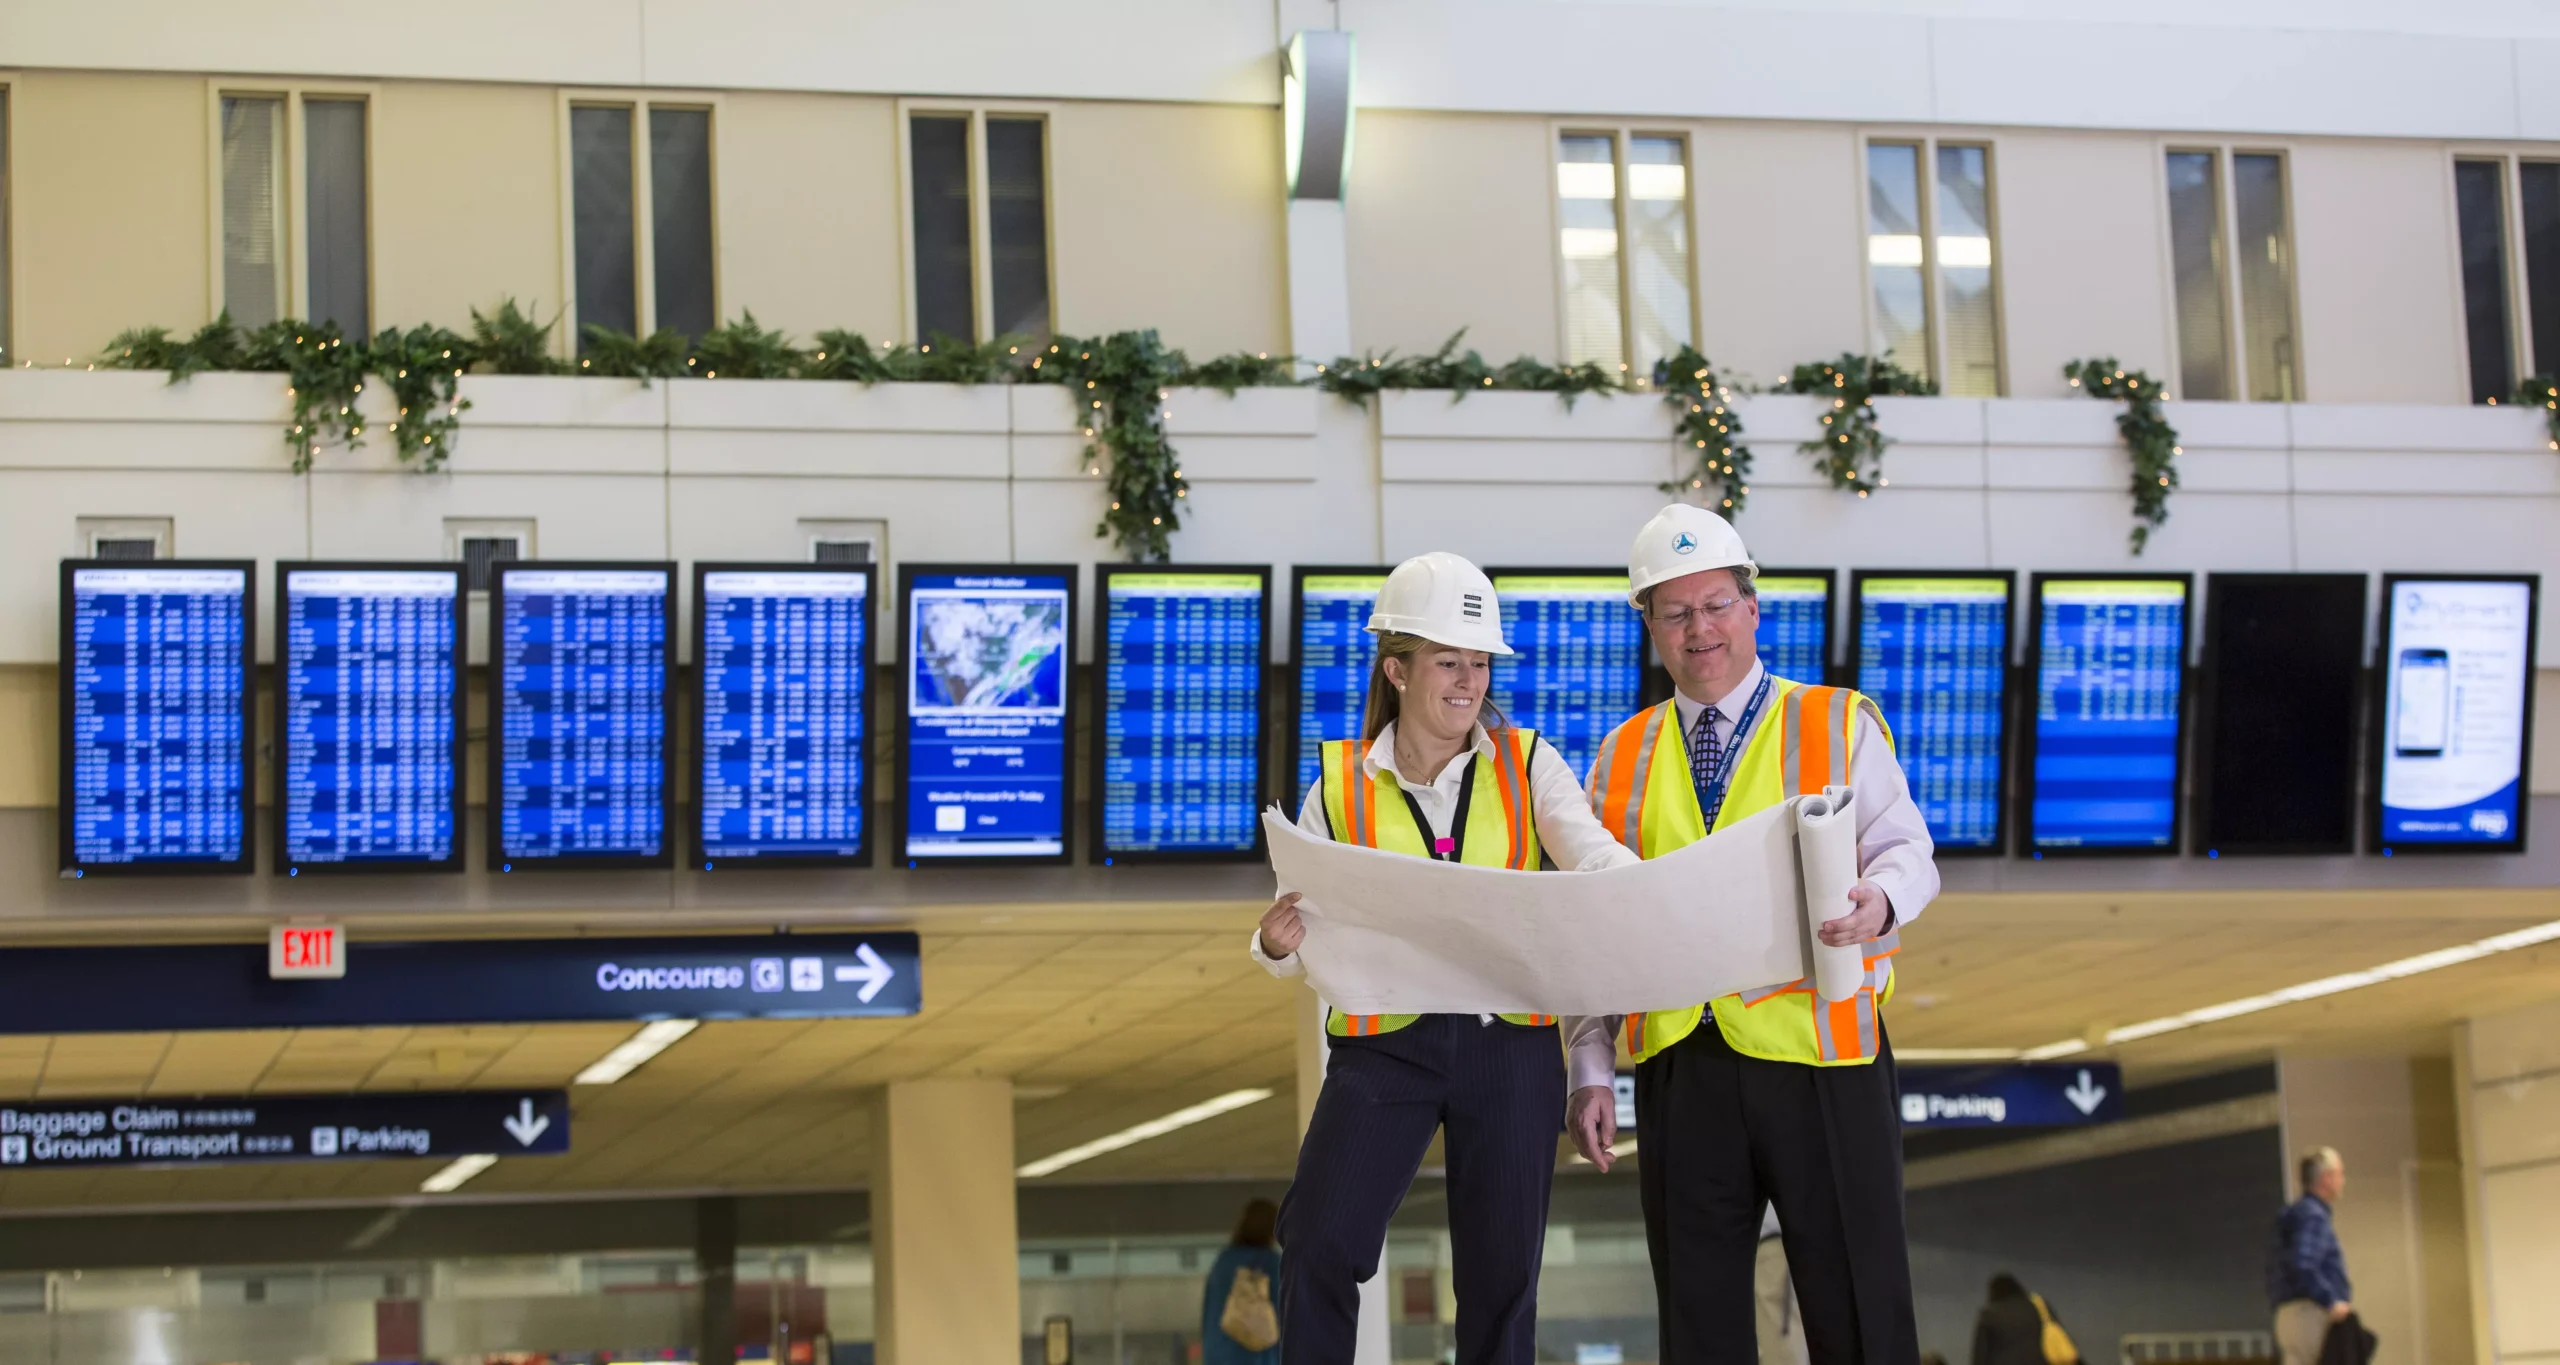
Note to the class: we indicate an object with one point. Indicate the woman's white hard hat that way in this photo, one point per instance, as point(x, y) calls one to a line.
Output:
point(1679, 541)
point(1444, 599)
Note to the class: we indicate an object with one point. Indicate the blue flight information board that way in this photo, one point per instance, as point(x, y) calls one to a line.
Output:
point(1794, 639)
point(155, 726)
point(2110, 664)
point(580, 665)
point(1334, 656)
point(370, 680)
point(1180, 757)
point(1933, 651)
point(987, 653)
point(1577, 666)
point(783, 661)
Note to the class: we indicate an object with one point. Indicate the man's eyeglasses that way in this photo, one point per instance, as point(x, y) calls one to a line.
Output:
point(1718, 611)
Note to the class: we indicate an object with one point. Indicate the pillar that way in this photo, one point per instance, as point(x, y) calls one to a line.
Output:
point(1375, 1346)
point(946, 1278)
point(715, 1261)
point(2507, 1075)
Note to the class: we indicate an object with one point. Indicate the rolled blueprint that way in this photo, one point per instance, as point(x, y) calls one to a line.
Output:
point(1388, 933)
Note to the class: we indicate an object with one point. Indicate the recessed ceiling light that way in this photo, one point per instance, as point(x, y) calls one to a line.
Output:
point(454, 1176)
point(651, 1040)
point(1152, 1128)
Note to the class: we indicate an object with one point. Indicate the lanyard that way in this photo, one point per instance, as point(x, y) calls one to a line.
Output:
point(1450, 849)
point(1720, 774)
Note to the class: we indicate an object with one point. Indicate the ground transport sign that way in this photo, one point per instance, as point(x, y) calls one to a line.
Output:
point(217, 1131)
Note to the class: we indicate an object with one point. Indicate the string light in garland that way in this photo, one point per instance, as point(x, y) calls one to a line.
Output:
point(1708, 428)
point(1850, 451)
point(2148, 438)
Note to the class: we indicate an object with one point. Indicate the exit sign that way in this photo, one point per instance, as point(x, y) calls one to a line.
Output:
point(296, 951)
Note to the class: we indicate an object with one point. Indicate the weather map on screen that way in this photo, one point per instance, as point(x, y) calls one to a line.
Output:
point(987, 657)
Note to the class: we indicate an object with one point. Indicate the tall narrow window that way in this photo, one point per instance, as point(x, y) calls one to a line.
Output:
point(946, 262)
point(1018, 225)
point(2538, 186)
point(1587, 230)
point(601, 204)
point(253, 278)
point(5, 357)
point(680, 219)
point(1657, 247)
point(334, 196)
point(1896, 262)
point(2266, 276)
point(1963, 240)
point(2480, 206)
point(2195, 255)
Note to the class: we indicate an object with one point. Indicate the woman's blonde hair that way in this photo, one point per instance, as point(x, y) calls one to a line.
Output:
point(1385, 702)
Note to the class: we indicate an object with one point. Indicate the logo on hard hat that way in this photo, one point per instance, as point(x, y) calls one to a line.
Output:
point(1683, 543)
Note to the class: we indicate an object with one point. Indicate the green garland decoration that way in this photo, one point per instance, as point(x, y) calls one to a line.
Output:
point(514, 342)
point(2148, 437)
point(1851, 453)
point(1460, 372)
point(615, 354)
point(425, 365)
point(2543, 391)
point(1229, 373)
point(1119, 383)
point(1707, 425)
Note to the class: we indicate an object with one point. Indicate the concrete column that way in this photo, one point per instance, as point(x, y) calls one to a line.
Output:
point(945, 1274)
point(1374, 1346)
point(1319, 282)
point(2507, 1069)
point(2400, 1220)
point(715, 1260)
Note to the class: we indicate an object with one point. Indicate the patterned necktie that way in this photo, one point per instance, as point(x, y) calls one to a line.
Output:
point(1704, 751)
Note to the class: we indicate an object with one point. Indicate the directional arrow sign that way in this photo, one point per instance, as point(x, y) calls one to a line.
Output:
point(524, 1125)
point(218, 1131)
point(870, 970)
point(2019, 1095)
point(2085, 1096)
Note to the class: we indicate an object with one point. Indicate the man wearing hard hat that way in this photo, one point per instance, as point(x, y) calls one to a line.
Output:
point(1772, 1096)
point(1437, 774)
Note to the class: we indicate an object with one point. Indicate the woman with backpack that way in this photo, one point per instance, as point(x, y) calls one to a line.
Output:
point(1238, 1325)
point(2016, 1328)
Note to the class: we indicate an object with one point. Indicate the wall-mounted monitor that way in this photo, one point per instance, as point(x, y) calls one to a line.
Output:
point(1794, 639)
point(1334, 655)
point(368, 735)
point(2276, 713)
point(2109, 656)
point(1577, 663)
point(2457, 661)
point(155, 726)
point(1178, 740)
point(1932, 649)
point(986, 651)
point(782, 730)
point(581, 668)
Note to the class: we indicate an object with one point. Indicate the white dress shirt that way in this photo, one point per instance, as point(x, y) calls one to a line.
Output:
point(1567, 830)
point(1894, 848)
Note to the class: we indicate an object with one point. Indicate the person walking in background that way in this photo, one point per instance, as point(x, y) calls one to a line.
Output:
point(2019, 1328)
point(1238, 1323)
point(2306, 1269)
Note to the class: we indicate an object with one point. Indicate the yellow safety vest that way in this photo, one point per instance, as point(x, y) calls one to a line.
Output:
point(1643, 793)
point(1501, 831)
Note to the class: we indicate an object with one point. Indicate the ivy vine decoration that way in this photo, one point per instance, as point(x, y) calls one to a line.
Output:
point(1229, 373)
point(1708, 427)
point(1850, 452)
point(1120, 382)
point(2148, 437)
point(324, 376)
point(2543, 391)
point(1460, 372)
point(425, 365)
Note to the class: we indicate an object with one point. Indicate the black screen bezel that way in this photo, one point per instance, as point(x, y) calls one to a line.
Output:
point(866, 847)
point(2207, 715)
point(2031, 687)
point(1830, 620)
point(2009, 767)
point(1291, 754)
point(907, 575)
point(495, 809)
point(2379, 714)
point(456, 859)
point(1097, 804)
point(68, 860)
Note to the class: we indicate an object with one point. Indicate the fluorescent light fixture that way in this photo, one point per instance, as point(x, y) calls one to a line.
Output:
point(635, 1050)
point(453, 1177)
point(1152, 1128)
point(1955, 1054)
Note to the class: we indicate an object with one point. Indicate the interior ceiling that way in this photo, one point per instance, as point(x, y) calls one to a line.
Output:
point(1107, 1019)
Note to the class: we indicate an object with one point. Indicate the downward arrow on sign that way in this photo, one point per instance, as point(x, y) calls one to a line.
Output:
point(874, 972)
point(2085, 1095)
point(524, 1125)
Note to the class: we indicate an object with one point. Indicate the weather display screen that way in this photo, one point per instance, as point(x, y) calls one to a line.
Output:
point(369, 663)
point(1335, 653)
point(2458, 661)
point(1933, 651)
point(579, 668)
point(155, 724)
point(1180, 748)
point(782, 660)
point(1794, 638)
point(987, 656)
point(2110, 662)
point(1577, 663)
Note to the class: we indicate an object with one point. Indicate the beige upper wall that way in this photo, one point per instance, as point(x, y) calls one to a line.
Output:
point(1449, 226)
point(808, 229)
point(2083, 255)
point(2380, 286)
point(466, 195)
point(107, 208)
point(1780, 243)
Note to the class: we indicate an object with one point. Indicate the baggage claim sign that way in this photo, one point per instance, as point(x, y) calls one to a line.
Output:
point(282, 1128)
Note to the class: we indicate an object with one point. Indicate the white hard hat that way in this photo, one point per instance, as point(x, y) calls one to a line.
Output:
point(1444, 599)
point(1682, 540)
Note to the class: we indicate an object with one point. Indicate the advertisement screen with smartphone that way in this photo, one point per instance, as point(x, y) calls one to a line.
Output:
point(2458, 662)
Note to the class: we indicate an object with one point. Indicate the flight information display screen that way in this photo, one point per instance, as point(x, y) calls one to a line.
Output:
point(1179, 762)
point(155, 729)
point(2276, 713)
point(1577, 663)
point(782, 656)
point(579, 662)
point(984, 750)
point(2110, 659)
point(1932, 650)
point(2457, 712)
point(1334, 656)
point(369, 725)
point(1794, 639)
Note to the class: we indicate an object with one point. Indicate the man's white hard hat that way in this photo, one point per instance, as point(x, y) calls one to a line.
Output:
point(1444, 599)
point(1682, 540)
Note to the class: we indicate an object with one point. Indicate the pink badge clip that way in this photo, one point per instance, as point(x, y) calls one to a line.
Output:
point(1444, 845)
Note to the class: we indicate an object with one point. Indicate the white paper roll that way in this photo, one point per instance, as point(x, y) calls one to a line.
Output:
point(1827, 847)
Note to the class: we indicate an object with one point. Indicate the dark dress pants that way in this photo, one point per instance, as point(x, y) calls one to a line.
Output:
point(1721, 1135)
point(1498, 1091)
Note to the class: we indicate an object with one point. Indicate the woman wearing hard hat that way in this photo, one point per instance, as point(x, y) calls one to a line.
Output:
point(1438, 774)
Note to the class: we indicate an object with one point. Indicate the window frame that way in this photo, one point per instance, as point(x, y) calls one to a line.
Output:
point(982, 301)
point(294, 206)
point(1621, 134)
point(2235, 305)
point(644, 217)
point(9, 120)
point(2511, 163)
point(1932, 284)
